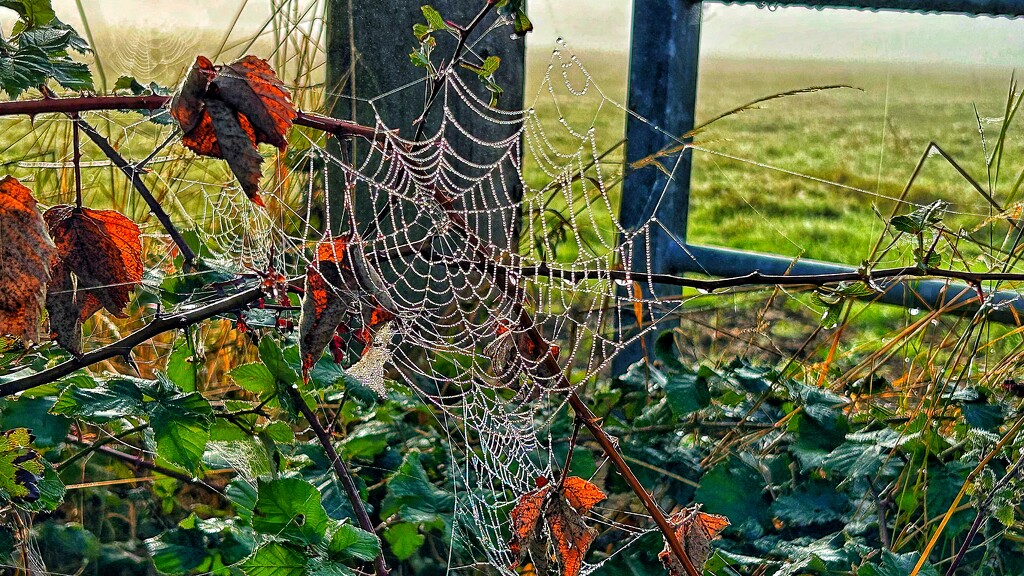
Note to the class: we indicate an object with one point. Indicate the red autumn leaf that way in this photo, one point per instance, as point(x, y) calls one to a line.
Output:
point(581, 494)
point(250, 86)
point(323, 306)
point(225, 112)
point(563, 514)
point(187, 105)
point(25, 252)
point(98, 263)
point(524, 518)
point(695, 530)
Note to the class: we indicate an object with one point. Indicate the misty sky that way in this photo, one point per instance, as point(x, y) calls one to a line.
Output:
point(728, 30)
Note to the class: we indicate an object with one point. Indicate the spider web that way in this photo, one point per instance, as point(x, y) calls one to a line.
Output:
point(462, 225)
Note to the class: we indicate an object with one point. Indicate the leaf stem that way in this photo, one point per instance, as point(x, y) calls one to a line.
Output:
point(77, 159)
point(139, 462)
point(349, 485)
point(98, 444)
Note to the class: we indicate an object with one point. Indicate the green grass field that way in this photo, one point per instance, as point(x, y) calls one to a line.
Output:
point(869, 138)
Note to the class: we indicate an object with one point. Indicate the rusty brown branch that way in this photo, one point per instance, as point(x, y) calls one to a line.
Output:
point(333, 126)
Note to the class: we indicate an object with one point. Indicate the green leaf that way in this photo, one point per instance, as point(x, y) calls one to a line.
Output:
point(811, 504)
point(32, 12)
point(919, 220)
point(420, 31)
point(181, 436)
point(273, 357)
point(897, 565)
point(982, 415)
point(255, 378)
point(734, 490)
point(178, 551)
point(51, 491)
point(686, 393)
point(490, 65)
point(367, 441)
point(521, 23)
point(413, 497)
point(434, 18)
point(420, 58)
point(116, 398)
point(324, 567)
point(349, 541)
point(275, 559)
point(404, 540)
point(26, 412)
point(243, 496)
point(290, 508)
point(182, 368)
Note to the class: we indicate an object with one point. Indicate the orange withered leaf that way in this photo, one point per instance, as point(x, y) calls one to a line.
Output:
point(695, 530)
point(97, 264)
point(563, 513)
point(187, 104)
point(250, 86)
point(25, 254)
point(582, 494)
point(524, 518)
point(323, 305)
point(226, 111)
point(571, 535)
point(237, 148)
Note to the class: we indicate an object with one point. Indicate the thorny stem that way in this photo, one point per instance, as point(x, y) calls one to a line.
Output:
point(124, 346)
point(140, 462)
point(611, 449)
point(456, 58)
point(134, 174)
point(351, 491)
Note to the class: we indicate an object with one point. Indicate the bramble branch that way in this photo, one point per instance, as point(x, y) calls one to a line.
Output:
point(124, 346)
point(349, 485)
point(333, 126)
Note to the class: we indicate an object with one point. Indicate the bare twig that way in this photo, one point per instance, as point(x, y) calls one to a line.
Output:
point(456, 58)
point(135, 175)
point(139, 462)
point(341, 471)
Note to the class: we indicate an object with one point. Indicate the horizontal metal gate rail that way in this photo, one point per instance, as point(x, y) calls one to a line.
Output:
point(663, 92)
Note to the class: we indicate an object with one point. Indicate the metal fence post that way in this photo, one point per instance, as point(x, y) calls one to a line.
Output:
point(663, 93)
